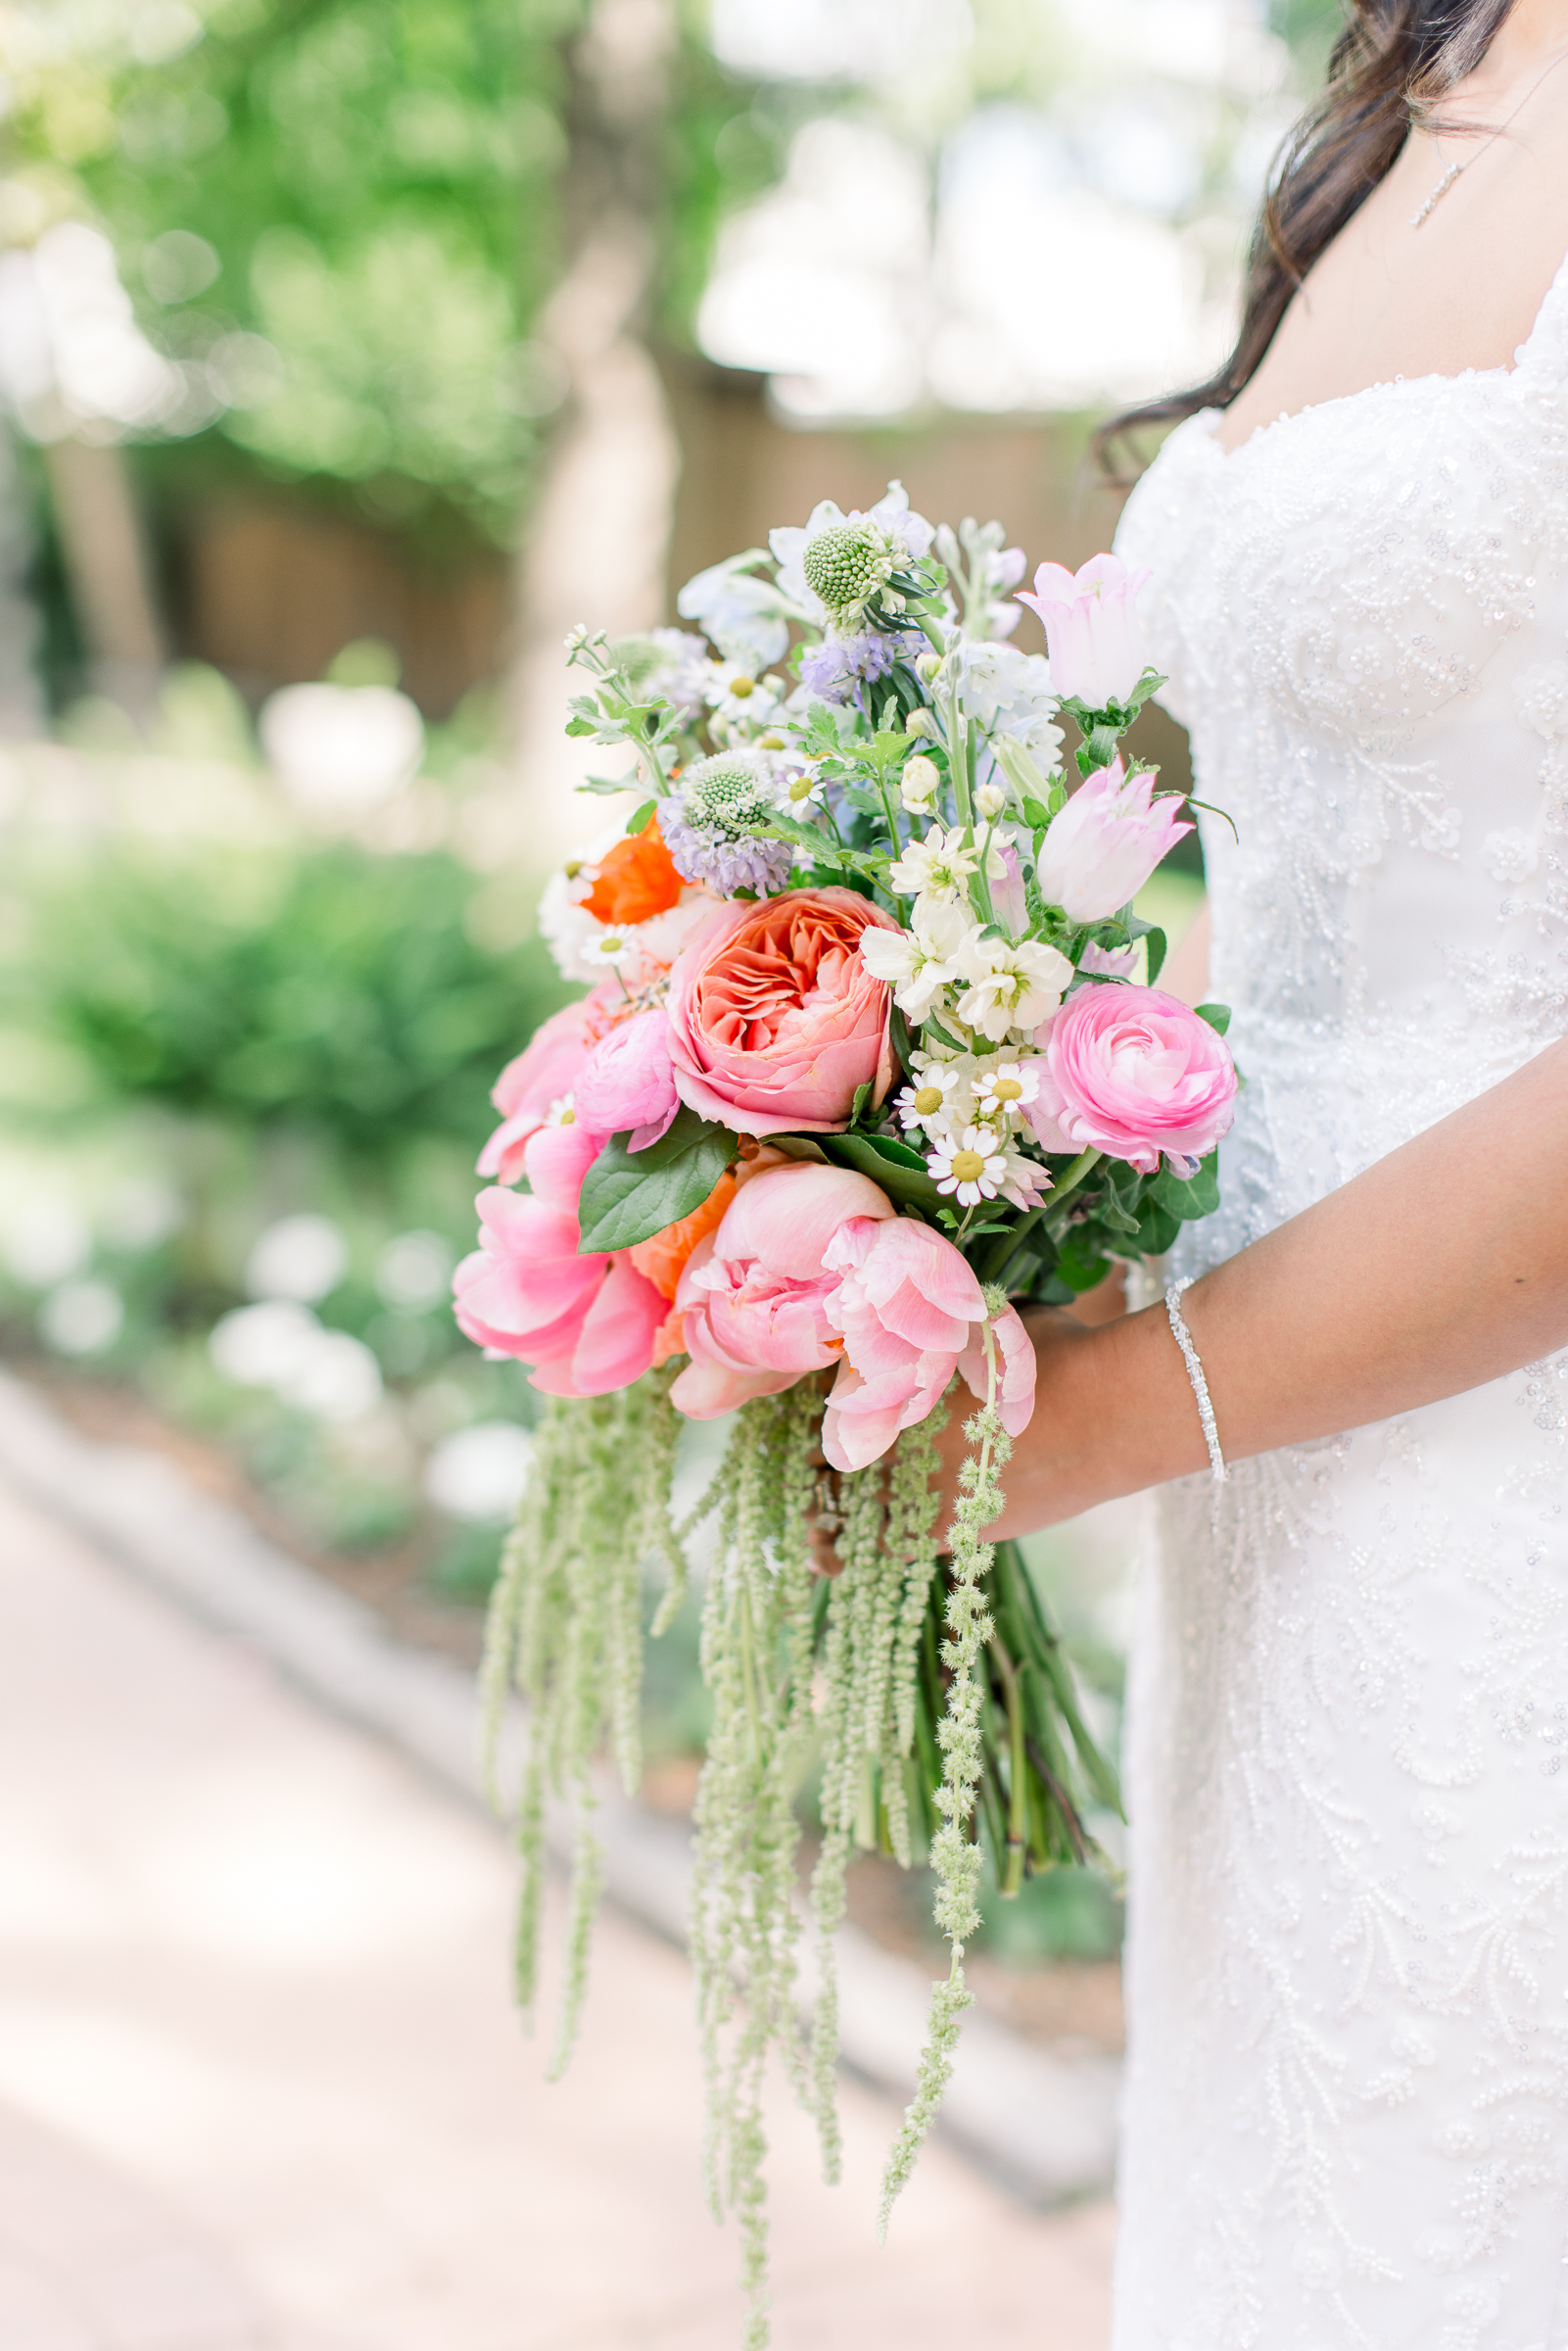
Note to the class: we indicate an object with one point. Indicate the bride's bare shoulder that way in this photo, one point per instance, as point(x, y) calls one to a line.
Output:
point(1400, 295)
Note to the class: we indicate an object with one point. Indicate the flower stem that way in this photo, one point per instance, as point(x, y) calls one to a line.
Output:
point(1017, 1807)
point(1010, 1243)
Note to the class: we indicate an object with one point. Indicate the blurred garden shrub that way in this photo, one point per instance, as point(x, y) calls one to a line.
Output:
point(324, 988)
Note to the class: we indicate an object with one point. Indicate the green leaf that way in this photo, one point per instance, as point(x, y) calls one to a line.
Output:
point(1216, 1015)
point(641, 818)
point(606, 785)
point(931, 1023)
point(1157, 1230)
point(1035, 815)
point(581, 726)
point(1026, 777)
point(1155, 947)
point(862, 1097)
point(899, 1170)
point(1198, 1198)
point(628, 1196)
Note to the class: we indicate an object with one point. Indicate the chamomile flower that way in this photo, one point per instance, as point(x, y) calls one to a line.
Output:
point(562, 1112)
point(1001, 1091)
point(736, 694)
point(929, 1102)
point(612, 948)
point(971, 1169)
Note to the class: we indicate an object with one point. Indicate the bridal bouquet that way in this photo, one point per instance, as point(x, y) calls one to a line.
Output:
point(865, 1062)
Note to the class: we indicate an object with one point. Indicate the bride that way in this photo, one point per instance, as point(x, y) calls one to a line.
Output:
point(1347, 2115)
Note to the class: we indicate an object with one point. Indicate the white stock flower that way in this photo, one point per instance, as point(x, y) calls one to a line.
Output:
point(935, 868)
point(990, 801)
point(1014, 983)
point(921, 961)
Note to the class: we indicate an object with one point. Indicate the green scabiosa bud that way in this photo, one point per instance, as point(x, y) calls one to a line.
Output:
point(726, 793)
point(845, 564)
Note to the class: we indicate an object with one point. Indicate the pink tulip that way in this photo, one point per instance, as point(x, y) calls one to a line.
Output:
point(627, 1081)
point(774, 1021)
point(1092, 630)
point(1105, 844)
point(752, 1299)
point(911, 1313)
point(546, 1069)
point(1133, 1073)
point(587, 1325)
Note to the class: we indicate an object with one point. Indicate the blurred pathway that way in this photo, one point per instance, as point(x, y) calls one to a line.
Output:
point(262, 2088)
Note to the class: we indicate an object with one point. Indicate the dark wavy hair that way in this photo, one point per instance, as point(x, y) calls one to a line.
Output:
point(1392, 63)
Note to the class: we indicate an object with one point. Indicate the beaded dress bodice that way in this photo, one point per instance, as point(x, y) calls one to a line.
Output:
point(1347, 2119)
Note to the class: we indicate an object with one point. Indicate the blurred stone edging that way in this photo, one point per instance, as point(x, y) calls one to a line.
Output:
point(1041, 2123)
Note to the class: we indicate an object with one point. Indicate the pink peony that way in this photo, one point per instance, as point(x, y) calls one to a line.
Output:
point(1133, 1073)
point(774, 1021)
point(1092, 630)
point(1105, 844)
point(546, 1070)
point(752, 1299)
point(587, 1325)
point(911, 1313)
point(627, 1081)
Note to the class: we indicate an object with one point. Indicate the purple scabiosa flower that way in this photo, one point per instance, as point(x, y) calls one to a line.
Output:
point(714, 834)
point(702, 853)
point(835, 668)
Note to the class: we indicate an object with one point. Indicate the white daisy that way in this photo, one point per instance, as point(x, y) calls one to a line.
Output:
point(736, 693)
point(971, 1170)
point(929, 1102)
point(610, 948)
point(1002, 1090)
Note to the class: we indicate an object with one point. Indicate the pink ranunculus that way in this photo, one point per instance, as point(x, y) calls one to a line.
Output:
point(1102, 848)
point(774, 1021)
point(911, 1313)
point(587, 1325)
point(1133, 1073)
point(546, 1067)
point(1092, 631)
point(627, 1081)
point(754, 1296)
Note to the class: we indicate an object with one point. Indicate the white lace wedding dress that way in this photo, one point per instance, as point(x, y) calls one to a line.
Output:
point(1346, 2112)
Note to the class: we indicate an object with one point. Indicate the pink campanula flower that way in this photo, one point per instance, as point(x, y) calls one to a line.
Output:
point(775, 1021)
point(1092, 631)
point(911, 1313)
point(627, 1081)
point(587, 1325)
point(752, 1300)
point(1102, 848)
point(1133, 1073)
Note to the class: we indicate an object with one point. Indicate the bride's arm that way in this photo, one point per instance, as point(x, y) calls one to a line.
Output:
point(1443, 1265)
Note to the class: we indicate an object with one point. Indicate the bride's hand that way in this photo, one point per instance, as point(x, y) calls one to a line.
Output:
point(1049, 1476)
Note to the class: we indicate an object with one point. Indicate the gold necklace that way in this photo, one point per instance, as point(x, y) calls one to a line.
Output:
point(1455, 170)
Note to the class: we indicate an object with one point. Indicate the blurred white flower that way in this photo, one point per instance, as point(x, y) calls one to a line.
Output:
point(335, 1378)
point(414, 1271)
point(299, 1257)
point(46, 1241)
point(81, 1317)
point(920, 781)
point(280, 1345)
point(736, 692)
point(338, 749)
point(741, 613)
point(478, 1473)
point(258, 1346)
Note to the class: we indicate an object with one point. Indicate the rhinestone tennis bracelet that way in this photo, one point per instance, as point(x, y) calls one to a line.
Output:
point(1195, 1372)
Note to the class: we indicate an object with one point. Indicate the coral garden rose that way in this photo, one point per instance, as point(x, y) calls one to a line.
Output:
point(752, 1300)
point(587, 1325)
point(627, 1081)
point(1133, 1073)
point(775, 1021)
point(544, 1071)
point(909, 1313)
